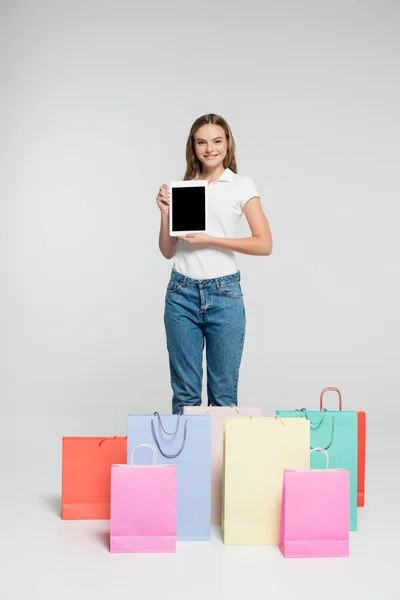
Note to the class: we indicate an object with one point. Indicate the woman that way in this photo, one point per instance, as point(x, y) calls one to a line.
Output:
point(204, 301)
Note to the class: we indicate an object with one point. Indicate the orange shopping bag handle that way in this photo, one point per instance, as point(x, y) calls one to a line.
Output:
point(330, 389)
point(107, 439)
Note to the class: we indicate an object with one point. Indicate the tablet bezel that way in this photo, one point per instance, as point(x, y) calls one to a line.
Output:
point(187, 183)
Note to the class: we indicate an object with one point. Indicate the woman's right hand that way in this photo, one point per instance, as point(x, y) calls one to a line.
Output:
point(163, 199)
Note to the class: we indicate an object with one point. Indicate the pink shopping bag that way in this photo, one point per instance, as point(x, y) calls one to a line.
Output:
point(315, 513)
point(143, 507)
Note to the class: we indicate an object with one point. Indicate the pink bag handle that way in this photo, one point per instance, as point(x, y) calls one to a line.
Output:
point(330, 389)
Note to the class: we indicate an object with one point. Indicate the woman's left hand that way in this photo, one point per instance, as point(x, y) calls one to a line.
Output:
point(197, 239)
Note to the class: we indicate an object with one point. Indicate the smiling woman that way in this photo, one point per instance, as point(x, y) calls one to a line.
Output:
point(204, 301)
point(210, 142)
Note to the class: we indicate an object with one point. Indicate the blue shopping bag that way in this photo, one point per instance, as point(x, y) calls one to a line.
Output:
point(184, 441)
point(337, 432)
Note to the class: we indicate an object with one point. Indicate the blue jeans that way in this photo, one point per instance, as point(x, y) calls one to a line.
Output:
point(206, 312)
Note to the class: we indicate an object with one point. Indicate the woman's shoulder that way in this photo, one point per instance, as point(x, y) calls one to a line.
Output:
point(242, 179)
point(239, 177)
point(246, 187)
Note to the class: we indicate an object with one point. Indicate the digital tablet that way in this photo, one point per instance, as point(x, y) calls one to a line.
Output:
point(188, 207)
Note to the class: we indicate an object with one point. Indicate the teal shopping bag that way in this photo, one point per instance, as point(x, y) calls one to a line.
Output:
point(337, 432)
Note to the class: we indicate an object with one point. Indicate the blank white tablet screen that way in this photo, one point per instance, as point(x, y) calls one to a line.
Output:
point(188, 208)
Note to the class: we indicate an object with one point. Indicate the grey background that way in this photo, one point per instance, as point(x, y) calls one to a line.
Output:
point(97, 99)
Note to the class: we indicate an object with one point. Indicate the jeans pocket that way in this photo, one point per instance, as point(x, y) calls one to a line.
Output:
point(232, 290)
point(173, 286)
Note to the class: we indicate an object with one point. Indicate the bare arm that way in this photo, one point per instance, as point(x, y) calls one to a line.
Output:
point(260, 243)
point(166, 243)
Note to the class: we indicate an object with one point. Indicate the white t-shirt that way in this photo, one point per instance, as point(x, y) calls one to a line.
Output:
point(226, 198)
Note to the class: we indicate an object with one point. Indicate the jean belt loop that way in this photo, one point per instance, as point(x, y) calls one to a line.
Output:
point(217, 282)
point(239, 275)
point(184, 281)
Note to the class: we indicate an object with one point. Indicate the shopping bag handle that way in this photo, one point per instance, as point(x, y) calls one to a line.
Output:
point(106, 439)
point(330, 389)
point(147, 446)
point(157, 414)
point(331, 440)
point(314, 423)
point(158, 443)
point(324, 452)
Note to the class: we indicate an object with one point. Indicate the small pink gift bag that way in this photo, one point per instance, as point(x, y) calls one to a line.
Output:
point(315, 513)
point(143, 507)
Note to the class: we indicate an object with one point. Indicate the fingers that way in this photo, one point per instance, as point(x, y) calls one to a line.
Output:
point(163, 192)
point(163, 197)
point(187, 238)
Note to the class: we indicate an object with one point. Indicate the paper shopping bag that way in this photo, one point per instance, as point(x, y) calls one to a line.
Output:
point(256, 452)
point(184, 441)
point(315, 513)
point(143, 507)
point(337, 432)
point(361, 429)
point(86, 475)
point(218, 414)
point(362, 434)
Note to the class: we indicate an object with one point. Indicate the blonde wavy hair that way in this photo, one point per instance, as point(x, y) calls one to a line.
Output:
point(193, 165)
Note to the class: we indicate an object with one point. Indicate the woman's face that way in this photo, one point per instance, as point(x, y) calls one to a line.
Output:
point(210, 145)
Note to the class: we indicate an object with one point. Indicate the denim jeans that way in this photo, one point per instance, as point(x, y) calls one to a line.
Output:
point(210, 313)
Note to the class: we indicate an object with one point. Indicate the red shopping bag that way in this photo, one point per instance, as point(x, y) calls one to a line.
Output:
point(86, 475)
point(362, 427)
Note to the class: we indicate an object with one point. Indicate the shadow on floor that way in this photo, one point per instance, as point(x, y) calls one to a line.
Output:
point(51, 503)
point(102, 538)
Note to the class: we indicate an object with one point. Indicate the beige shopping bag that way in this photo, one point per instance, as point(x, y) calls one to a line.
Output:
point(256, 452)
point(218, 414)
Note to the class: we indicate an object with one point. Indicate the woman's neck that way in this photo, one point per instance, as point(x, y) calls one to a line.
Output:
point(210, 175)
